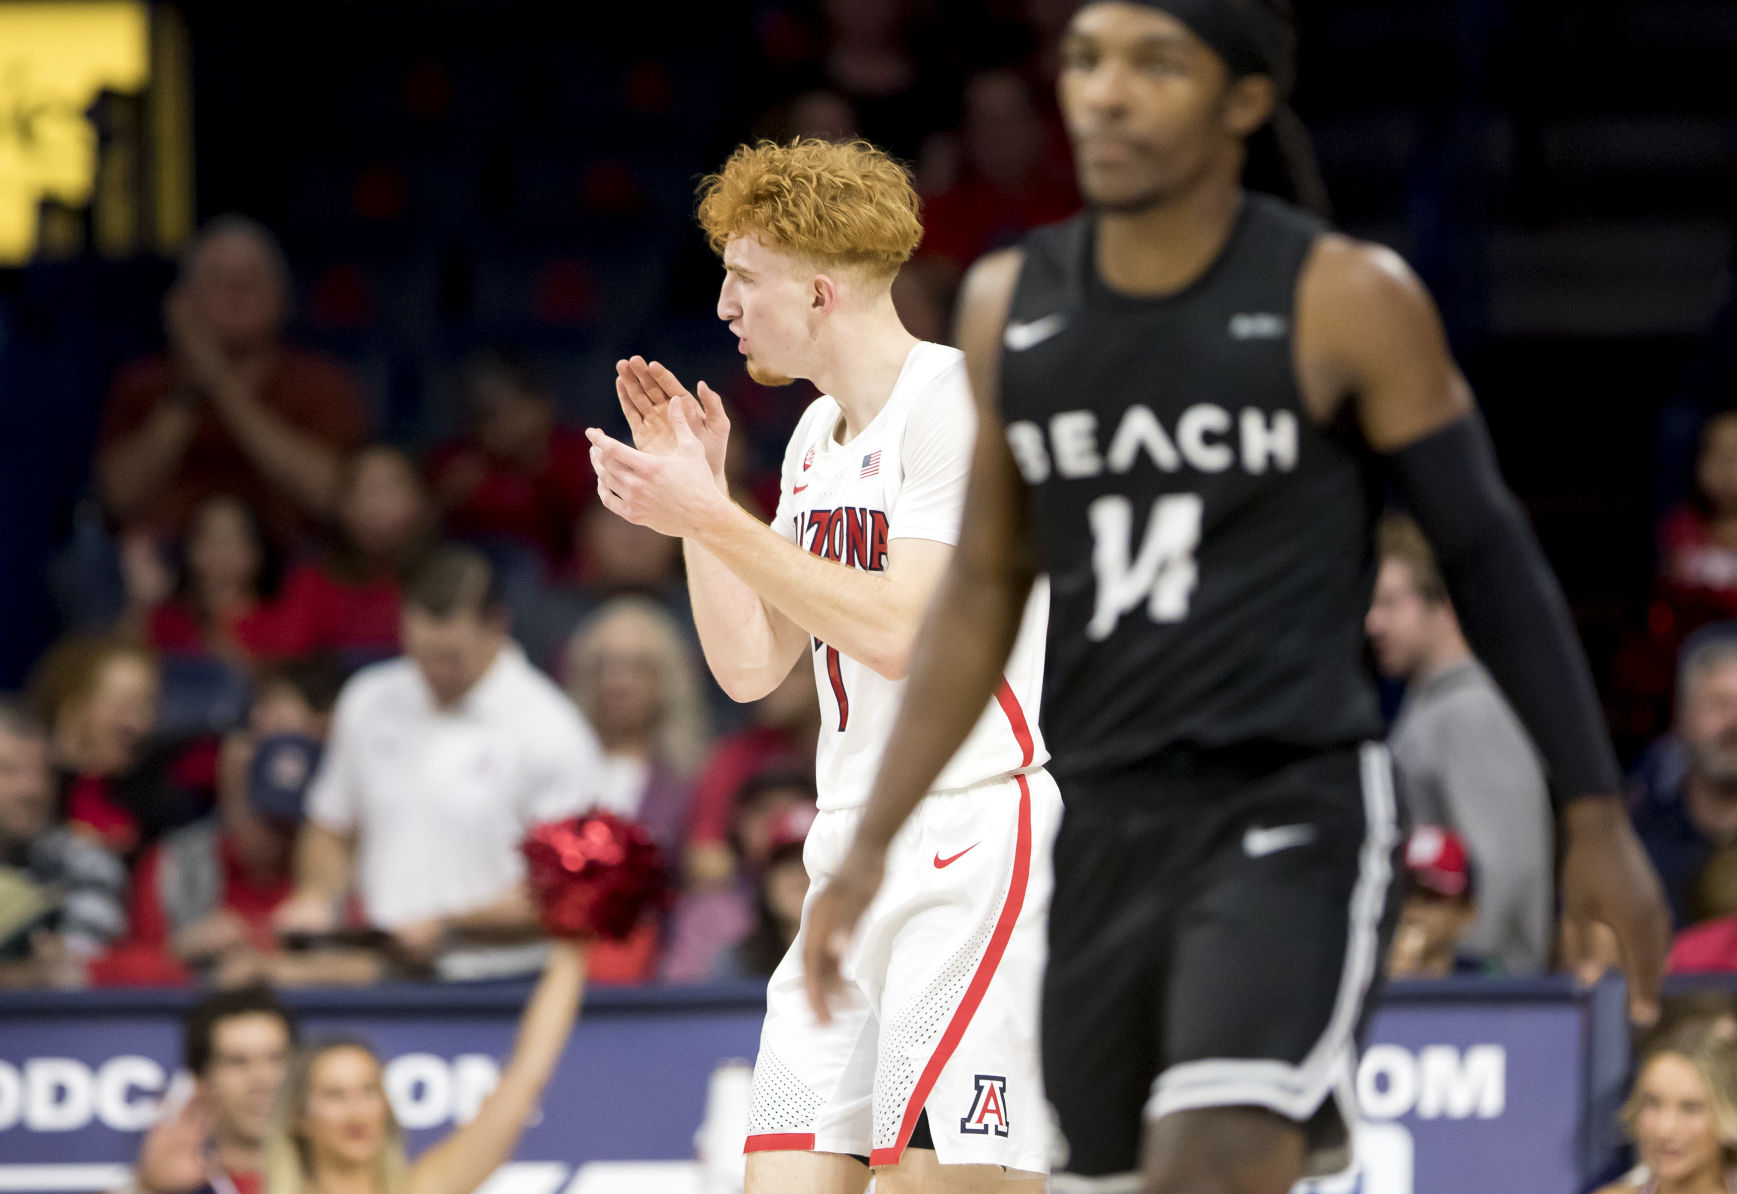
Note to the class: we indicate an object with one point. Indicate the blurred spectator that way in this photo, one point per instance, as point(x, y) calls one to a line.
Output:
point(818, 113)
point(868, 59)
point(1698, 539)
point(1465, 761)
point(782, 887)
point(612, 558)
point(237, 1046)
point(634, 679)
point(221, 603)
point(516, 478)
point(773, 808)
point(203, 897)
point(1681, 828)
point(1711, 1010)
point(437, 764)
point(98, 697)
point(1012, 175)
point(60, 893)
point(1696, 585)
point(1682, 1116)
point(348, 602)
point(1440, 906)
point(783, 734)
point(230, 409)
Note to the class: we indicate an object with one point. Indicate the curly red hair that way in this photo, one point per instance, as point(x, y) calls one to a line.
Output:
point(840, 203)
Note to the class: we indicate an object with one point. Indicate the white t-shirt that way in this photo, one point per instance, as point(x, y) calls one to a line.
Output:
point(901, 477)
point(439, 799)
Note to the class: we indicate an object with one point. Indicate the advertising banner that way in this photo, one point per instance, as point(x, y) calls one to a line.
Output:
point(1487, 1087)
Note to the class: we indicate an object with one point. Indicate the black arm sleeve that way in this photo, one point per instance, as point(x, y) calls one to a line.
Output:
point(1508, 602)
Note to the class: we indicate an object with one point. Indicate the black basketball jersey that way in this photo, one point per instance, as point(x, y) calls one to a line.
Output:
point(1209, 545)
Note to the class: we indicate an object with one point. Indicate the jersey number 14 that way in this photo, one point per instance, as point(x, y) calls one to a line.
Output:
point(1161, 575)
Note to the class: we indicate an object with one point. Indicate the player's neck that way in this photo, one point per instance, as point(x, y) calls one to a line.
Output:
point(1161, 249)
point(862, 363)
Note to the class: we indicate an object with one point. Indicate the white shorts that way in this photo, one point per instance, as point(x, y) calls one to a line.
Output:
point(939, 1009)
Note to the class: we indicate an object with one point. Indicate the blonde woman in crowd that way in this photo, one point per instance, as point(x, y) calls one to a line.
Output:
point(1682, 1115)
point(633, 676)
point(335, 1132)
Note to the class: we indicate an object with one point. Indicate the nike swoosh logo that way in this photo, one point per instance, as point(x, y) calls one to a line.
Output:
point(1258, 843)
point(945, 862)
point(799, 489)
point(1021, 336)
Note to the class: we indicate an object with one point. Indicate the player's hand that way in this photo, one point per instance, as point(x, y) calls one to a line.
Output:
point(646, 390)
point(1607, 879)
point(674, 493)
point(833, 918)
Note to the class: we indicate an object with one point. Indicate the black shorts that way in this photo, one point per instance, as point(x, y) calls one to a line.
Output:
point(1215, 935)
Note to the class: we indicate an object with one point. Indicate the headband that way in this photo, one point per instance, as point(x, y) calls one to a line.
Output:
point(1246, 35)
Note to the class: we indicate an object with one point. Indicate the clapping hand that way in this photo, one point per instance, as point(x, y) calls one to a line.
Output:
point(646, 391)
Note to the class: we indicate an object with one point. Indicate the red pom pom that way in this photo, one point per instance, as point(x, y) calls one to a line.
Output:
point(594, 876)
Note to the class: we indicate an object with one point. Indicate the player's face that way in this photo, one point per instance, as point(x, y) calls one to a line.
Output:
point(1145, 105)
point(1674, 1126)
point(768, 299)
point(248, 1057)
point(345, 1118)
point(1400, 623)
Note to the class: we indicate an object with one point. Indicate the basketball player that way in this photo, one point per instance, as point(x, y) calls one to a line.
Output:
point(1189, 400)
point(926, 1069)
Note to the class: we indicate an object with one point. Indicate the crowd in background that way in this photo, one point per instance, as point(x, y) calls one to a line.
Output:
point(290, 634)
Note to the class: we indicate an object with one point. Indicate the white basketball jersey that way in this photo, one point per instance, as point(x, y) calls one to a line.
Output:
point(901, 477)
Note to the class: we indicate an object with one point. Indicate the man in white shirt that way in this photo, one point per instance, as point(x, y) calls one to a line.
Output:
point(438, 763)
point(925, 1069)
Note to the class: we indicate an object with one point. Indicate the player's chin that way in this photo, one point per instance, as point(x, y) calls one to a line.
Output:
point(767, 377)
point(1118, 194)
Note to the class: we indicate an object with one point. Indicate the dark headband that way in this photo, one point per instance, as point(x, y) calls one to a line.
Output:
point(1245, 33)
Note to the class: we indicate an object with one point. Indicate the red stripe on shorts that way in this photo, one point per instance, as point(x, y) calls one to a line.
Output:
point(991, 956)
point(1016, 719)
point(767, 1142)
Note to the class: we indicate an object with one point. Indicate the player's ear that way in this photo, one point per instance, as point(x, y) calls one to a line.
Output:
point(823, 294)
point(1248, 104)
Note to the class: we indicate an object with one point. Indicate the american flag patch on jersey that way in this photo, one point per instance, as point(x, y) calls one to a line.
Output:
point(871, 464)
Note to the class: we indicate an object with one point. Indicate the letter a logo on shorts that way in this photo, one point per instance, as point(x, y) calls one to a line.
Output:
point(988, 1108)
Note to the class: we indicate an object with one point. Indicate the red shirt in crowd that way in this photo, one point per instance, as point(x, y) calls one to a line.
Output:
point(976, 217)
point(250, 898)
point(312, 392)
point(257, 633)
point(1709, 948)
point(321, 612)
point(1691, 557)
point(536, 506)
point(734, 760)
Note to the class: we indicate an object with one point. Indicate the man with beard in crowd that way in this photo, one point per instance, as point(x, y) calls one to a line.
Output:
point(1681, 829)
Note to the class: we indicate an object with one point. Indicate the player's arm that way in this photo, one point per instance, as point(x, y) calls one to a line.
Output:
point(870, 616)
point(1367, 328)
point(965, 640)
point(464, 1160)
point(749, 645)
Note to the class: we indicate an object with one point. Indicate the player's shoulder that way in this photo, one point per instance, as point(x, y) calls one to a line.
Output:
point(1344, 269)
point(933, 380)
point(991, 280)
